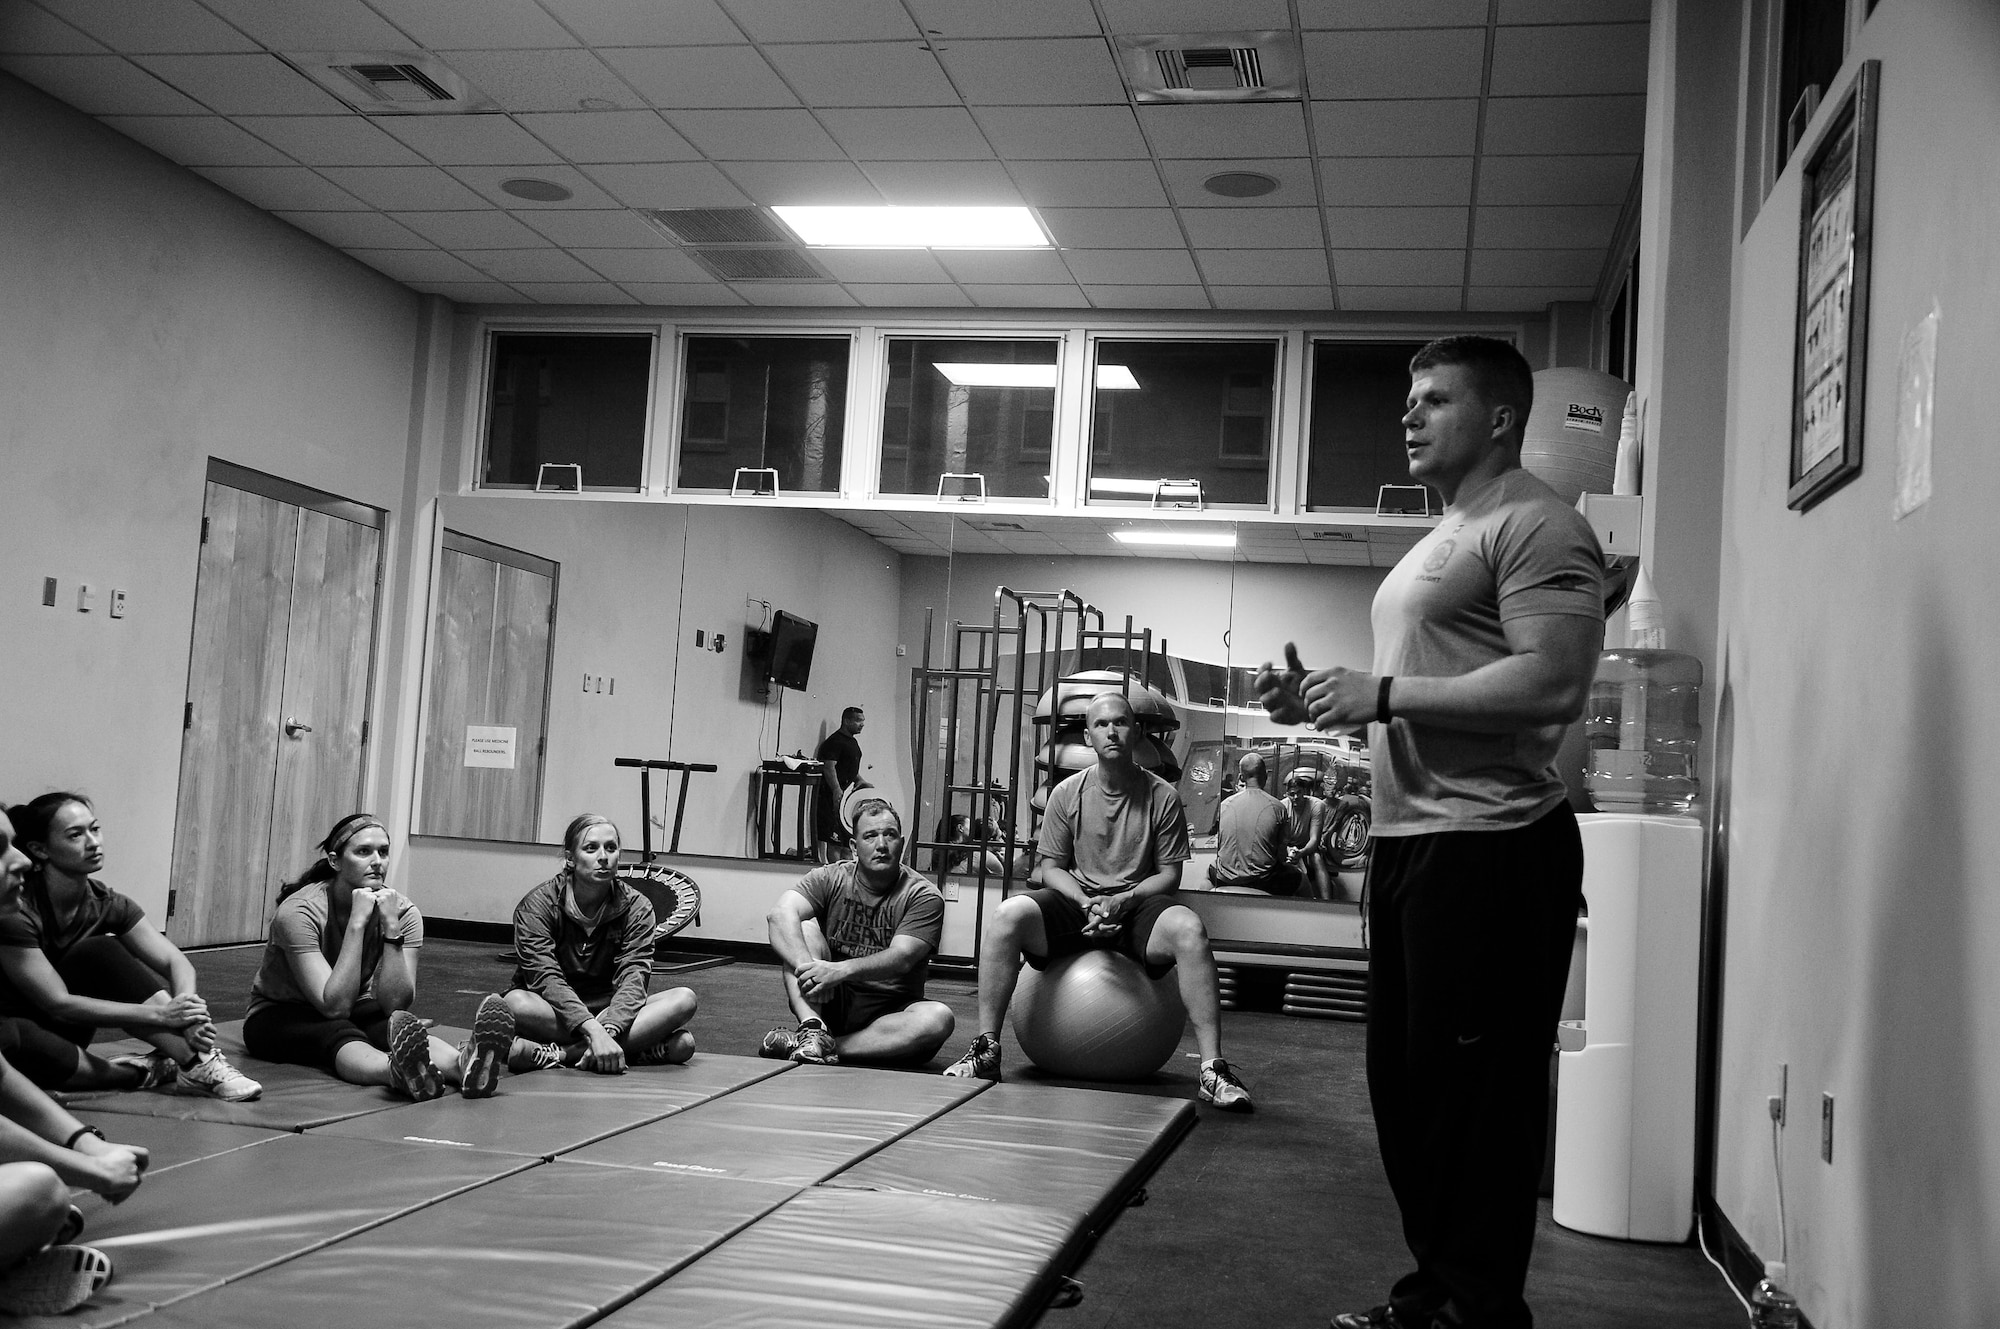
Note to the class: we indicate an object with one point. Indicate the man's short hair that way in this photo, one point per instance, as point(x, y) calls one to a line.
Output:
point(1499, 371)
point(1305, 775)
point(849, 713)
point(1124, 702)
point(871, 806)
point(1251, 767)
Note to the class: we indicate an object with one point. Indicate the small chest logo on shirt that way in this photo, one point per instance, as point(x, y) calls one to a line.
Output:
point(1435, 560)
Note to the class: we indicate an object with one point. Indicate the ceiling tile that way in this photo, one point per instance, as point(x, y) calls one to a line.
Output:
point(520, 265)
point(611, 136)
point(1586, 58)
point(1147, 297)
point(1537, 267)
point(701, 76)
point(1293, 174)
point(1402, 14)
point(578, 228)
point(1545, 125)
point(878, 295)
point(1063, 132)
point(669, 185)
point(1271, 297)
point(1112, 228)
point(746, 135)
point(100, 84)
point(1027, 73)
point(468, 140)
point(312, 25)
point(561, 80)
point(1426, 128)
point(944, 182)
point(244, 84)
point(779, 295)
point(486, 182)
point(931, 133)
point(468, 292)
point(1446, 62)
point(804, 182)
point(164, 25)
point(1575, 11)
point(882, 265)
point(574, 293)
point(198, 140)
point(476, 25)
point(1399, 267)
point(1016, 18)
point(1397, 228)
point(403, 188)
point(356, 230)
point(1026, 267)
point(331, 140)
point(1523, 299)
point(1555, 180)
point(642, 265)
point(1544, 228)
point(682, 293)
point(276, 188)
point(1242, 129)
point(1133, 267)
point(817, 21)
point(482, 229)
point(1194, 15)
point(1263, 267)
point(1133, 184)
point(1395, 181)
point(32, 30)
point(1252, 228)
point(864, 74)
point(1007, 296)
point(647, 22)
point(418, 264)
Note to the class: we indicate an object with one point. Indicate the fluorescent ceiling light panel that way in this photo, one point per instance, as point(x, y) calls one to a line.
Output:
point(915, 228)
point(1201, 539)
point(964, 375)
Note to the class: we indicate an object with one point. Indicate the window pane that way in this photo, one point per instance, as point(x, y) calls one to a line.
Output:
point(777, 402)
point(969, 406)
point(570, 399)
point(1183, 410)
point(1359, 391)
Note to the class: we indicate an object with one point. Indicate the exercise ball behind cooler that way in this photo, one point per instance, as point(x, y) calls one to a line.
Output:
point(1571, 441)
point(1096, 1015)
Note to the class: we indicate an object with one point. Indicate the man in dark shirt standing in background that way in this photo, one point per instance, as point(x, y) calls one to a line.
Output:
point(840, 767)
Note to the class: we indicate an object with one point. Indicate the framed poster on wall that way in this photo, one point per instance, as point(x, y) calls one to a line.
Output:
point(1836, 222)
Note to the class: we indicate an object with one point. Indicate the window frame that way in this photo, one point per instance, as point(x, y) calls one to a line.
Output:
point(489, 332)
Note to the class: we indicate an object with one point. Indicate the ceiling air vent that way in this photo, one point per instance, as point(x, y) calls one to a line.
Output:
point(766, 263)
point(392, 82)
point(718, 226)
point(1336, 534)
point(1211, 66)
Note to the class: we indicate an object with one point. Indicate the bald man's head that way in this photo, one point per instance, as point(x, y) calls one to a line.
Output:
point(1251, 769)
point(1116, 701)
point(1111, 728)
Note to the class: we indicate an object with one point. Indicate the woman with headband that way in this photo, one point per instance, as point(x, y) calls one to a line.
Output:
point(585, 942)
point(340, 974)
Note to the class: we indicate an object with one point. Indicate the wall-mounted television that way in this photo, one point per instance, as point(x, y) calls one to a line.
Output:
point(792, 641)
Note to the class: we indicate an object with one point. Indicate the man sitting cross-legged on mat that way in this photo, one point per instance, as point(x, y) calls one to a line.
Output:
point(340, 973)
point(585, 945)
point(856, 939)
point(1108, 865)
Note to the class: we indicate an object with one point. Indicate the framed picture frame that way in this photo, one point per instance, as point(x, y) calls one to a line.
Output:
point(1830, 357)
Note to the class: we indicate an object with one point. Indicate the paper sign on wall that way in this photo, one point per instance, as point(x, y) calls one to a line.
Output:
point(1916, 372)
point(490, 745)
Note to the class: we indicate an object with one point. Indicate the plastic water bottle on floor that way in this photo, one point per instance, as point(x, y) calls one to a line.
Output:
point(1771, 1307)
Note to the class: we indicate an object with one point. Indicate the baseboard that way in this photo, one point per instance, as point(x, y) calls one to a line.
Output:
point(1744, 1267)
point(466, 929)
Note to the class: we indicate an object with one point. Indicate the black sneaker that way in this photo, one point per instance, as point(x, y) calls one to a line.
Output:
point(814, 1045)
point(980, 1062)
point(410, 1058)
point(777, 1044)
point(486, 1051)
point(1221, 1088)
point(1375, 1317)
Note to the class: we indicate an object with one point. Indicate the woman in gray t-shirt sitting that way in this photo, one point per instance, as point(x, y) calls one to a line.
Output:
point(340, 974)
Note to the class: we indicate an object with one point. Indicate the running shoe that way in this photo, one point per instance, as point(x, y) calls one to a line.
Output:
point(1375, 1317)
point(155, 1069)
point(1221, 1088)
point(675, 1047)
point(71, 1229)
point(980, 1062)
point(53, 1281)
point(410, 1058)
point(492, 1038)
point(777, 1044)
point(213, 1076)
point(815, 1046)
point(528, 1056)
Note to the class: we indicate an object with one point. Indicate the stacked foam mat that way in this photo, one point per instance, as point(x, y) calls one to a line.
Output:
point(729, 1191)
point(1329, 994)
point(1225, 986)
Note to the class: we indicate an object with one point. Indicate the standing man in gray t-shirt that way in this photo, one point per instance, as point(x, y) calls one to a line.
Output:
point(1486, 639)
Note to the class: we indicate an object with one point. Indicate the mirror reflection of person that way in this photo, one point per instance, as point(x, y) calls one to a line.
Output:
point(1308, 823)
point(839, 756)
point(1252, 848)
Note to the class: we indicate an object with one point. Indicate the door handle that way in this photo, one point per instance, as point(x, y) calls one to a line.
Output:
point(293, 727)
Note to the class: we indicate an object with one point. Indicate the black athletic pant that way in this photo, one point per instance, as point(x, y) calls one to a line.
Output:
point(1470, 940)
point(44, 1048)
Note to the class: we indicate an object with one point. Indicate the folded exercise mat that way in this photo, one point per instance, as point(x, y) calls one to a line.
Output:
point(844, 1259)
point(556, 1245)
point(546, 1113)
point(294, 1097)
point(797, 1128)
point(208, 1223)
point(173, 1144)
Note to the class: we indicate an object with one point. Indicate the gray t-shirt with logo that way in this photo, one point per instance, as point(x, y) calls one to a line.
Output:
point(1511, 549)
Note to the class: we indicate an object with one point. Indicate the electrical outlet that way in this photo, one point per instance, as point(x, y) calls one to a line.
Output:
point(1826, 1128)
point(950, 892)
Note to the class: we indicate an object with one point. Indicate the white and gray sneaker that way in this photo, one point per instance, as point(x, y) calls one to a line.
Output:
point(213, 1076)
point(1220, 1087)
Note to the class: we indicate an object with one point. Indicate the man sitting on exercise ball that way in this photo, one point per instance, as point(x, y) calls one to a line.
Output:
point(1107, 869)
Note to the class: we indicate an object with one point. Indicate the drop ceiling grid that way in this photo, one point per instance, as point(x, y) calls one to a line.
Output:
point(906, 97)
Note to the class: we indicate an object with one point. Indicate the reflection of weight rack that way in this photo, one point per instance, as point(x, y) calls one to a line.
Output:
point(1327, 994)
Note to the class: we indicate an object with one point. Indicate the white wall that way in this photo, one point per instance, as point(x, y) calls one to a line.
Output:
point(153, 321)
